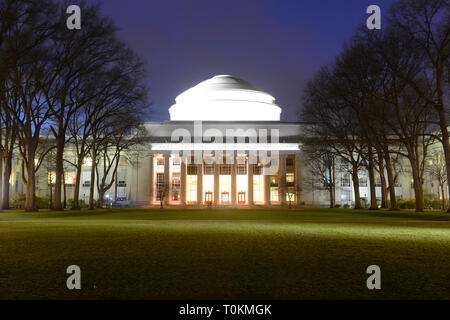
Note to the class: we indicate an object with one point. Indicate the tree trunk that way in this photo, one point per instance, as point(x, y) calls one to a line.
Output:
point(91, 189)
point(101, 195)
point(356, 187)
point(390, 174)
point(1, 176)
point(443, 196)
point(30, 200)
point(382, 181)
point(445, 143)
point(330, 188)
point(6, 177)
point(115, 186)
point(59, 169)
point(64, 205)
point(76, 191)
point(373, 195)
point(51, 196)
point(418, 187)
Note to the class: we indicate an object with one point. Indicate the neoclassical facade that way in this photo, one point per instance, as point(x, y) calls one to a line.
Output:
point(224, 146)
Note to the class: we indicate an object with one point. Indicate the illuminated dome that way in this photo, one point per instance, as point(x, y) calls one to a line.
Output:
point(225, 98)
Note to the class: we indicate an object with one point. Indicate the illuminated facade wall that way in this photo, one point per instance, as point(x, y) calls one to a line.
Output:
point(222, 184)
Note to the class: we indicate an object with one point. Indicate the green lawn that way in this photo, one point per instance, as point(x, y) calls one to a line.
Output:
point(224, 254)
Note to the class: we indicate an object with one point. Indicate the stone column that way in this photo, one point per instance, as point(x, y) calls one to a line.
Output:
point(233, 182)
point(199, 184)
point(152, 181)
point(216, 184)
point(183, 181)
point(282, 179)
point(250, 183)
point(167, 184)
point(267, 189)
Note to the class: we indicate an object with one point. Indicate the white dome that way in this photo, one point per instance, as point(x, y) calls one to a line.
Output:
point(225, 98)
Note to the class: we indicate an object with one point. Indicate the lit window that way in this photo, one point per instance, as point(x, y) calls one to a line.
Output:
point(52, 177)
point(241, 188)
point(290, 194)
point(176, 186)
point(258, 188)
point(290, 178)
point(274, 194)
point(159, 186)
point(69, 178)
point(274, 180)
point(208, 188)
point(225, 188)
point(191, 190)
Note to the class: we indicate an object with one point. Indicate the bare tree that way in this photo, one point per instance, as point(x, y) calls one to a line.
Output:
point(322, 168)
point(418, 33)
point(78, 55)
point(437, 170)
point(336, 121)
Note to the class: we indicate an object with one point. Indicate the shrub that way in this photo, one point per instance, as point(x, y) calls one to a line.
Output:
point(337, 205)
point(432, 204)
point(42, 203)
point(81, 203)
point(17, 201)
point(346, 205)
point(406, 204)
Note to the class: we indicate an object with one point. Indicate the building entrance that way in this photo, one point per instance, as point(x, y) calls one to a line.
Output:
point(241, 197)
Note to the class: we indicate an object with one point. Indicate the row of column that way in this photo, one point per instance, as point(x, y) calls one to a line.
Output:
point(216, 200)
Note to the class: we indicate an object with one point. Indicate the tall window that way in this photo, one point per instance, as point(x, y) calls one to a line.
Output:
point(159, 185)
point(274, 194)
point(176, 183)
point(208, 188)
point(274, 188)
point(191, 188)
point(258, 188)
point(225, 189)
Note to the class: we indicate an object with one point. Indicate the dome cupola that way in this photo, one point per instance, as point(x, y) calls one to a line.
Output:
point(225, 98)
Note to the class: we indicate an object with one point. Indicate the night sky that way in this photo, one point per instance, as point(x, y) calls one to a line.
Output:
point(276, 45)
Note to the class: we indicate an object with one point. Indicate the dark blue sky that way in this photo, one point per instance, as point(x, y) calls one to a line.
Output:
point(276, 45)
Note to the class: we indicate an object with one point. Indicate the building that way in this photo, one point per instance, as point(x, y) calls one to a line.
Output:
point(224, 146)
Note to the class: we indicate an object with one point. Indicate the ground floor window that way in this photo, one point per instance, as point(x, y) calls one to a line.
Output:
point(241, 188)
point(225, 189)
point(208, 188)
point(159, 186)
point(258, 188)
point(191, 188)
point(290, 194)
point(274, 194)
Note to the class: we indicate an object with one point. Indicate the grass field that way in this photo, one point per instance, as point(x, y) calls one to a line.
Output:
point(224, 254)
